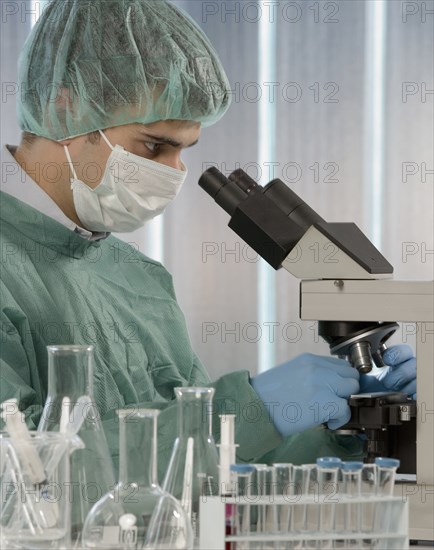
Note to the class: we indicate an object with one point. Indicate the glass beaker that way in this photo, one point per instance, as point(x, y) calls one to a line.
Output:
point(70, 377)
point(137, 513)
point(193, 471)
point(36, 515)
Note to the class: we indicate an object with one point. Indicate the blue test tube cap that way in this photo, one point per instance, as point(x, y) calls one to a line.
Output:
point(351, 466)
point(387, 462)
point(242, 468)
point(329, 462)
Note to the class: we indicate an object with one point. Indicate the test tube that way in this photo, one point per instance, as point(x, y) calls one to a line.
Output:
point(281, 483)
point(263, 486)
point(299, 491)
point(281, 476)
point(328, 469)
point(242, 482)
point(351, 484)
point(386, 473)
point(369, 480)
point(303, 488)
point(368, 491)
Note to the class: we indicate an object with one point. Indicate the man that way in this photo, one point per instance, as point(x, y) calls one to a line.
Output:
point(115, 90)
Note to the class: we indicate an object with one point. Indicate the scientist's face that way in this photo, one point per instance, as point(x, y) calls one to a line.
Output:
point(161, 142)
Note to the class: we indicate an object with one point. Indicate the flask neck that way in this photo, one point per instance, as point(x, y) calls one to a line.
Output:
point(138, 447)
point(70, 372)
point(194, 411)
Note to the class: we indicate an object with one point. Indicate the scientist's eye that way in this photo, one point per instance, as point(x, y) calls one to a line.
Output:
point(152, 146)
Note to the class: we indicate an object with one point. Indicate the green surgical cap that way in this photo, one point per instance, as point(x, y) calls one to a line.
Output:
point(94, 64)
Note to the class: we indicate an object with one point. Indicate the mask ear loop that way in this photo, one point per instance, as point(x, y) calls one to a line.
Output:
point(71, 166)
point(106, 140)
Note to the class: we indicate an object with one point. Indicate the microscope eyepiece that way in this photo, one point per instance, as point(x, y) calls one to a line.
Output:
point(243, 180)
point(225, 192)
point(283, 197)
point(258, 220)
point(212, 181)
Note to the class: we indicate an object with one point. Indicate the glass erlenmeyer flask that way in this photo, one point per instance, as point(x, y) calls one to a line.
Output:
point(70, 372)
point(193, 469)
point(137, 513)
point(70, 377)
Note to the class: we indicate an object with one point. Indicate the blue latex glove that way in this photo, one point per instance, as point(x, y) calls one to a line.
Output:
point(306, 392)
point(400, 375)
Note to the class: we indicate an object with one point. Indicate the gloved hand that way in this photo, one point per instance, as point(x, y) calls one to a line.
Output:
point(306, 392)
point(400, 375)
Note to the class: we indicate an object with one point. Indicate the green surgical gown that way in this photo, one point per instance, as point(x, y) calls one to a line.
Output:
point(58, 288)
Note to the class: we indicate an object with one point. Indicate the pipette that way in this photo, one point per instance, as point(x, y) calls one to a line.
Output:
point(186, 500)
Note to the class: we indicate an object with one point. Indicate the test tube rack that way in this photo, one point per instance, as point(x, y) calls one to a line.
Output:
point(383, 523)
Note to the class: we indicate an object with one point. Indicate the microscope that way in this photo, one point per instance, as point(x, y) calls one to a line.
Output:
point(356, 303)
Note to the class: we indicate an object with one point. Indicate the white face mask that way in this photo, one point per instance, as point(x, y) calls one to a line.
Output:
point(133, 190)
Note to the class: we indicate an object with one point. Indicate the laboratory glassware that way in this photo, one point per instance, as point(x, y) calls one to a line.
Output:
point(266, 518)
point(36, 515)
point(281, 487)
point(227, 452)
point(242, 483)
point(262, 487)
point(70, 381)
point(137, 513)
point(70, 371)
point(303, 485)
point(331, 486)
point(368, 490)
point(193, 471)
point(327, 472)
point(386, 473)
point(351, 489)
point(227, 456)
point(281, 478)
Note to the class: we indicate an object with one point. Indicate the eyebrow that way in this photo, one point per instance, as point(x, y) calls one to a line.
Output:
point(170, 141)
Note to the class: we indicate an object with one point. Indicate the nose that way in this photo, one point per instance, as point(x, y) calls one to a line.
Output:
point(172, 159)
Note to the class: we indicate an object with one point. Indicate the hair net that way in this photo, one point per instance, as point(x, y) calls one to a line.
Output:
point(94, 64)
